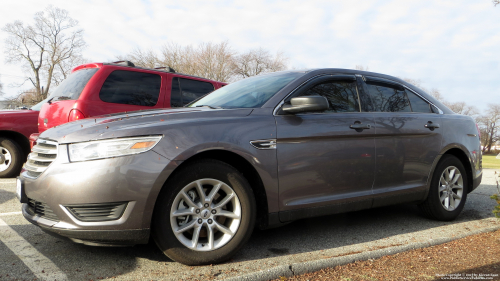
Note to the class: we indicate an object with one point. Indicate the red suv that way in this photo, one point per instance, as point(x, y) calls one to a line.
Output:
point(103, 88)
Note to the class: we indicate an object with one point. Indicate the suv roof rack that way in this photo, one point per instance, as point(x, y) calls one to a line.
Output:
point(166, 68)
point(125, 63)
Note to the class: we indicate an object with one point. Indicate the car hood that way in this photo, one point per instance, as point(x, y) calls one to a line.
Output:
point(137, 123)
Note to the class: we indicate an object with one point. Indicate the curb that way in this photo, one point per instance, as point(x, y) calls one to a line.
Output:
point(312, 266)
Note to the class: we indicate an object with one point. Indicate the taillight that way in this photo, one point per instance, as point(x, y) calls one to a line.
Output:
point(478, 131)
point(75, 114)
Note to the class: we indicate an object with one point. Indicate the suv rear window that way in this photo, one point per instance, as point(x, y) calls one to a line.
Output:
point(184, 91)
point(130, 87)
point(72, 87)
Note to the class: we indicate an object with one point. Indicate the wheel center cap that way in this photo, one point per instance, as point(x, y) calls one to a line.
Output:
point(205, 214)
point(2, 159)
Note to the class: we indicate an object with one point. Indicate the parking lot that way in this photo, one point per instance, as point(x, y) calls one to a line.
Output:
point(27, 253)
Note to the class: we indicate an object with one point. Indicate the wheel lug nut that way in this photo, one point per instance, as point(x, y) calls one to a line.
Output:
point(200, 220)
point(210, 221)
point(206, 205)
point(197, 211)
point(214, 211)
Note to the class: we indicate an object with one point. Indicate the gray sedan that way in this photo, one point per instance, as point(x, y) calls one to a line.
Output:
point(261, 152)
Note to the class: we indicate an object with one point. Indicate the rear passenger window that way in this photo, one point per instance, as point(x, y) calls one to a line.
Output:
point(130, 87)
point(341, 96)
point(184, 91)
point(387, 98)
point(417, 103)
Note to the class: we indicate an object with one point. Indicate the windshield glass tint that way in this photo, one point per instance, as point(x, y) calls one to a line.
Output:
point(248, 93)
point(72, 87)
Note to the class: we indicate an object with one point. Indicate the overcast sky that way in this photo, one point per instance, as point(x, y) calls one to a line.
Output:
point(452, 46)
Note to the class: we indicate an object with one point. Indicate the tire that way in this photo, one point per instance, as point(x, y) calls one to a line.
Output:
point(447, 196)
point(11, 158)
point(229, 218)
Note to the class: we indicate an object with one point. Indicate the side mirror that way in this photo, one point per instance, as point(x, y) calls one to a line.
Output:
point(304, 104)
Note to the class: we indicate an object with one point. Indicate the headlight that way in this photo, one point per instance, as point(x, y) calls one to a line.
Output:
point(92, 150)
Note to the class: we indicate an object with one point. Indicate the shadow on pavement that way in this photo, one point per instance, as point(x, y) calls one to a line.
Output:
point(6, 196)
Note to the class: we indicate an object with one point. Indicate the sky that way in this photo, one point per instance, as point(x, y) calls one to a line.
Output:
point(452, 46)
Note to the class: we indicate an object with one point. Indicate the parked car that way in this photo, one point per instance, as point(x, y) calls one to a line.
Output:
point(16, 126)
point(103, 88)
point(263, 151)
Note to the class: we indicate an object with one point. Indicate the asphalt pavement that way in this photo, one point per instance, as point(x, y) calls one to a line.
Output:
point(27, 253)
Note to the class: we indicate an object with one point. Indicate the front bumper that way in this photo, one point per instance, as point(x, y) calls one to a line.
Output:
point(90, 237)
point(135, 179)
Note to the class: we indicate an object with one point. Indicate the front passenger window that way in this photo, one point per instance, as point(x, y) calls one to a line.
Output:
point(341, 96)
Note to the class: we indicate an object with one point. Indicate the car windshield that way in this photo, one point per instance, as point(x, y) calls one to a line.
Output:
point(72, 87)
point(247, 93)
point(38, 106)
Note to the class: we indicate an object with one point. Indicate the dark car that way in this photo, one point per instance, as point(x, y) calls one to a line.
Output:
point(262, 152)
point(16, 126)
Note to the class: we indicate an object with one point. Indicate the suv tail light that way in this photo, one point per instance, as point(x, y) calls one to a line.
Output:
point(75, 114)
point(478, 131)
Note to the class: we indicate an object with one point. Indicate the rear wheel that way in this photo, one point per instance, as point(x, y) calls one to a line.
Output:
point(205, 214)
point(11, 158)
point(448, 190)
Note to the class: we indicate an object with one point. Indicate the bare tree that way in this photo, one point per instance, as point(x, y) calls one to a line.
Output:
point(142, 58)
point(361, 67)
point(214, 61)
point(257, 61)
point(217, 61)
point(496, 2)
point(489, 126)
point(44, 47)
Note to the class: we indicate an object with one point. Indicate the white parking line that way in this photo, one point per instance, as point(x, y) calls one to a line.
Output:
point(10, 214)
point(40, 265)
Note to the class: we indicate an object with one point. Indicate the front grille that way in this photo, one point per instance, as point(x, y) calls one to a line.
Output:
point(41, 209)
point(98, 212)
point(42, 155)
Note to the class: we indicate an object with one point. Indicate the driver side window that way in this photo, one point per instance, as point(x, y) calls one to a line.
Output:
point(342, 96)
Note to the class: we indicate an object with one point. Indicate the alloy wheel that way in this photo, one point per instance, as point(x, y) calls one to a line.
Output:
point(451, 188)
point(205, 214)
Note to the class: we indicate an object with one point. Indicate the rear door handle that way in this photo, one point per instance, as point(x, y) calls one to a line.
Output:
point(431, 126)
point(360, 127)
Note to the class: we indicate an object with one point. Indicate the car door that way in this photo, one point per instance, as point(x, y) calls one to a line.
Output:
point(408, 139)
point(325, 158)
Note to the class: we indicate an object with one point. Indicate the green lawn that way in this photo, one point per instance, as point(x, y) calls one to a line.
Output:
point(490, 162)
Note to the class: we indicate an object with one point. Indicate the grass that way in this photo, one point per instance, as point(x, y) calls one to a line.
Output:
point(490, 162)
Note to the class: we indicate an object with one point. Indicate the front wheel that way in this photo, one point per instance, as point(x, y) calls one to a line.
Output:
point(448, 190)
point(205, 213)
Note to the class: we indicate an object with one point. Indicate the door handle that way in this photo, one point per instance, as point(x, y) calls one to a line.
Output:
point(360, 127)
point(431, 126)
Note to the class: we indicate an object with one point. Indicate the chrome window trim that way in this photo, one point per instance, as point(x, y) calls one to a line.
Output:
point(424, 98)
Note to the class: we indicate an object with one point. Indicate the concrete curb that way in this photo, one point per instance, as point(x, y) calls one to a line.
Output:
point(312, 266)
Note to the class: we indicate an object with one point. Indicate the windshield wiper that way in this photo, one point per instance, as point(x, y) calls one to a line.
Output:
point(209, 106)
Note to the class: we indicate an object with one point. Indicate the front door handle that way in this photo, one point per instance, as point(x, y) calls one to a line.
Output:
point(360, 127)
point(431, 126)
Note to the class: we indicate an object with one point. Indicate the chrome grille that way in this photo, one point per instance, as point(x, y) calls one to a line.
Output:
point(41, 209)
point(41, 156)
